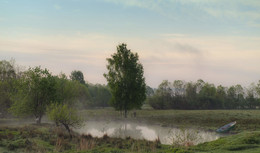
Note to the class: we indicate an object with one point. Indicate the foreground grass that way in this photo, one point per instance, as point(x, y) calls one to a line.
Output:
point(46, 138)
point(245, 142)
point(247, 120)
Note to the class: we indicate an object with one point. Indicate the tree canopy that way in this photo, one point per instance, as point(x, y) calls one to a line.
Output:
point(203, 95)
point(77, 76)
point(36, 89)
point(125, 79)
point(7, 82)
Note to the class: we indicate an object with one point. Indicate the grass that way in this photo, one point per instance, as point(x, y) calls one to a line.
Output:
point(25, 139)
point(245, 142)
point(49, 139)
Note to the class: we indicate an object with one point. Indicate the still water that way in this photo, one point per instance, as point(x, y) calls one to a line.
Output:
point(167, 135)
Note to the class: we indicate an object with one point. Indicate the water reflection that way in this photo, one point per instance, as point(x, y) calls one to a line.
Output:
point(166, 135)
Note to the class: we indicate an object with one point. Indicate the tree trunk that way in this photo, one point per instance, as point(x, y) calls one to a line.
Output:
point(125, 113)
point(68, 129)
point(38, 119)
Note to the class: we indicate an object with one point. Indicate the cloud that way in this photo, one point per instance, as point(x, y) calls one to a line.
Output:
point(57, 7)
point(61, 53)
point(246, 12)
point(168, 56)
point(187, 48)
point(149, 4)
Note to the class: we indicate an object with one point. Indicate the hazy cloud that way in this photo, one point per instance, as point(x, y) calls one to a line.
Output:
point(57, 7)
point(221, 9)
point(187, 48)
point(215, 59)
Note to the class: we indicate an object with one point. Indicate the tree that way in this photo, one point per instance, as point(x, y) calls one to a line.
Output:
point(71, 92)
point(63, 114)
point(35, 90)
point(100, 95)
point(221, 96)
point(207, 96)
point(7, 70)
point(77, 76)
point(251, 96)
point(240, 100)
point(7, 77)
point(125, 79)
point(258, 88)
point(258, 92)
point(163, 96)
point(178, 94)
point(191, 95)
point(149, 91)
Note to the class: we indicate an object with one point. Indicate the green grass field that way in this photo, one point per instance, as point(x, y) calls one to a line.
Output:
point(46, 138)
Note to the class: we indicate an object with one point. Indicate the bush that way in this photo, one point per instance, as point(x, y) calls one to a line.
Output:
point(66, 116)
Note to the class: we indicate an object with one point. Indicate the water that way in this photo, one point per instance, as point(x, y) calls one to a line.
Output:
point(167, 135)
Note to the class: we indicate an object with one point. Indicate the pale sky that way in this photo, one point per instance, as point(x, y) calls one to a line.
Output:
point(214, 40)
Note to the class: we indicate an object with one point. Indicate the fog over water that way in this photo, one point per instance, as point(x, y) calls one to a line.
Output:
point(167, 135)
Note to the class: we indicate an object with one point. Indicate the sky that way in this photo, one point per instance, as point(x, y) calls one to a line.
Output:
point(214, 40)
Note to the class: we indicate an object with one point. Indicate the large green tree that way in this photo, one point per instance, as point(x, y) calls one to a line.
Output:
point(35, 90)
point(125, 79)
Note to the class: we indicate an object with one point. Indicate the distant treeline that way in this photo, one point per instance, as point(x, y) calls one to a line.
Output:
point(19, 87)
point(18, 84)
point(203, 95)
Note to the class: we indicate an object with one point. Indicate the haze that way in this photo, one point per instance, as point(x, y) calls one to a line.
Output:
point(217, 40)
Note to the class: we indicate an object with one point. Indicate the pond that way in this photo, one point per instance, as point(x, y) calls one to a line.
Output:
point(167, 135)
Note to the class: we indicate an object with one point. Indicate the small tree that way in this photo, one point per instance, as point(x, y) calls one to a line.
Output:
point(125, 79)
point(64, 115)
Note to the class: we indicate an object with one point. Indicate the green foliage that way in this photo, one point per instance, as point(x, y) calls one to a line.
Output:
point(203, 95)
point(125, 79)
point(64, 115)
point(7, 70)
point(27, 139)
point(100, 95)
point(7, 81)
point(35, 90)
point(243, 142)
point(149, 91)
point(77, 76)
point(71, 92)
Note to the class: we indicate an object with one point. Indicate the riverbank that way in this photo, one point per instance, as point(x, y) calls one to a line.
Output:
point(28, 137)
point(46, 138)
point(247, 120)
